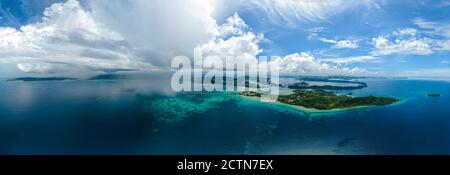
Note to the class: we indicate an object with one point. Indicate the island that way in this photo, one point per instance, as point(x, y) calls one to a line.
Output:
point(433, 95)
point(250, 94)
point(112, 77)
point(305, 85)
point(41, 79)
point(324, 100)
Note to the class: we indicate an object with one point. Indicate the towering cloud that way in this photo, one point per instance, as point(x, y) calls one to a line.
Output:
point(144, 35)
point(68, 36)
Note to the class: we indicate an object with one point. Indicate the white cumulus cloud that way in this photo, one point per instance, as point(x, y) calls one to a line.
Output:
point(340, 44)
point(354, 59)
point(405, 32)
point(403, 41)
point(306, 64)
point(234, 39)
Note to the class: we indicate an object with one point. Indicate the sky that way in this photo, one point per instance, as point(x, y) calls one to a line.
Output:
point(401, 38)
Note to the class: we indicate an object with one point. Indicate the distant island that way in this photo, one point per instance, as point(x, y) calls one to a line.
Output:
point(110, 77)
point(433, 95)
point(324, 100)
point(97, 77)
point(331, 79)
point(41, 79)
point(305, 85)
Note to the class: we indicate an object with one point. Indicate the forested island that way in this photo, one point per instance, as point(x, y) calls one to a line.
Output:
point(433, 95)
point(324, 100)
point(41, 79)
point(305, 85)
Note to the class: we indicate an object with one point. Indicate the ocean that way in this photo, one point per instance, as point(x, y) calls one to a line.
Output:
point(142, 115)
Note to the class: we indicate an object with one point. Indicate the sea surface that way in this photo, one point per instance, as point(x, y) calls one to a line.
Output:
point(142, 115)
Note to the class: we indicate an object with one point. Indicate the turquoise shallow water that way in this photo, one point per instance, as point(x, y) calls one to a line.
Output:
point(143, 116)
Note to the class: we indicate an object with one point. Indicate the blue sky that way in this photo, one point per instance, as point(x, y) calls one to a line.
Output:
point(385, 38)
point(363, 24)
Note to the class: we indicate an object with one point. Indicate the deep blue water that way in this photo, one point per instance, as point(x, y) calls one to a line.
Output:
point(135, 117)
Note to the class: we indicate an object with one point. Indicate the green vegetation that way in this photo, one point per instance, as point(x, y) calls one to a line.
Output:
point(348, 80)
point(250, 94)
point(304, 85)
point(323, 100)
point(433, 95)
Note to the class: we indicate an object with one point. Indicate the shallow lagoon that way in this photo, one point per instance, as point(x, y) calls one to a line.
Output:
point(143, 116)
